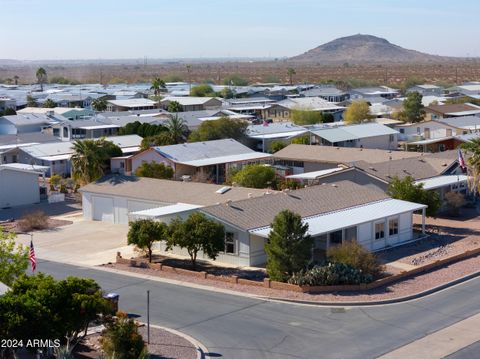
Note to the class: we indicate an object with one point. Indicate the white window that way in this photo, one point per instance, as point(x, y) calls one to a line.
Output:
point(230, 243)
point(379, 230)
point(393, 227)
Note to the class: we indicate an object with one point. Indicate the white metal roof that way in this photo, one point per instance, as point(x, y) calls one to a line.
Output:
point(354, 216)
point(431, 140)
point(165, 210)
point(25, 167)
point(226, 159)
point(133, 102)
point(315, 174)
point(354, 132)
point(463, 113)
point(98, 127)
point(279, 135)
point(442, 181)
point(187, 101)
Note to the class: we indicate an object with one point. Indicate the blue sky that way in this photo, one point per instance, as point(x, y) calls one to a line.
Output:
point(101, 29)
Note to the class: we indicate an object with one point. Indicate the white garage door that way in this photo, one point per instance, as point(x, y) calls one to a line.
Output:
point(103, 209)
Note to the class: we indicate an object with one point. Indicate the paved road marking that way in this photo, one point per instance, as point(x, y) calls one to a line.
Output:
point(442, 343)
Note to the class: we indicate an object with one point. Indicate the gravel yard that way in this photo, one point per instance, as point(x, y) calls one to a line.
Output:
point(163, 344)
point(451, 237)
point(410, 286)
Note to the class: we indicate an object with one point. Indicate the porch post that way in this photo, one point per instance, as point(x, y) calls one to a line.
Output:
point(423, 220)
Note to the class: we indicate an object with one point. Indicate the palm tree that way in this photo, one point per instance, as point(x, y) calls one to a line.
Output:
point(177, 129)
point(291, 71)
point(156, 86)
point(16, 79)
point(41, 77)
point(88, 160)
point(472, 150)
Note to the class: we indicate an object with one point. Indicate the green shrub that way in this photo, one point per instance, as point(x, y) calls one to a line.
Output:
point(121, 339)
point(355, 255)
point(330, 274)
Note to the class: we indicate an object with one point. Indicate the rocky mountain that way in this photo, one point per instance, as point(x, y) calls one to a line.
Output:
point(360, 48)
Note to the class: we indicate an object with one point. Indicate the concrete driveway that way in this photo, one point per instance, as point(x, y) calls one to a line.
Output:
point(83, 242)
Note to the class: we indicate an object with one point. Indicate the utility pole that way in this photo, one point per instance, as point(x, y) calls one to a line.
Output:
point(148, 316)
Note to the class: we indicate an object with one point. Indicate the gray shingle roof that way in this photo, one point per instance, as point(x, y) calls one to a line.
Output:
point(329, 154)
point(167, 191)
point(259, 212)
point(421, 167)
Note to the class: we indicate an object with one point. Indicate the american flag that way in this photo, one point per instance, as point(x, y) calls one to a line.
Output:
point(31, 256)
point(461, 160)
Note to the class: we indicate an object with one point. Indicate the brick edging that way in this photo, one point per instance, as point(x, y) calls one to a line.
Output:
point(267, 283)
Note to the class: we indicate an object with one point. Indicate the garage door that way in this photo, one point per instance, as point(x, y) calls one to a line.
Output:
point(103, 209)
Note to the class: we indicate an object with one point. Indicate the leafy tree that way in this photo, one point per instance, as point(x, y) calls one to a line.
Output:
point(154, 170)
point(90, 159)
point(406, 189)
point(9, 112)
point(144, 233)
point(305, 117)
point(289, 246)
point(177, 129)
point(357, 112)
point(13, 258)
point(142, 129)
point(197, 233)
point(203, 90)
point(99, 104)
point(255, 176)
point(227, 93)
point(40, 307)
point(157, 86)
point(235, 80)
point(412, 108)
point(31, 102)
point(41, 75)
point(49, 103)
point(276, 146)
point(303, 140)
point(219, 129)
point(291, 72)
point(163, 139)
point(121, 339)
point(174, 106)
point(472, 152)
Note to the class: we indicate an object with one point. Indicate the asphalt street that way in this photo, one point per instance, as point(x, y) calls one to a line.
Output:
point(240, 327)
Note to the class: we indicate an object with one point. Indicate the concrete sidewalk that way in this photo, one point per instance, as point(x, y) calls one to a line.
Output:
point(442, 343)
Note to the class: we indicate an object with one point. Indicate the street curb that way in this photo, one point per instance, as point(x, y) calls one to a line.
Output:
point(201, 349)
point(382, 302)
point(283, 300)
